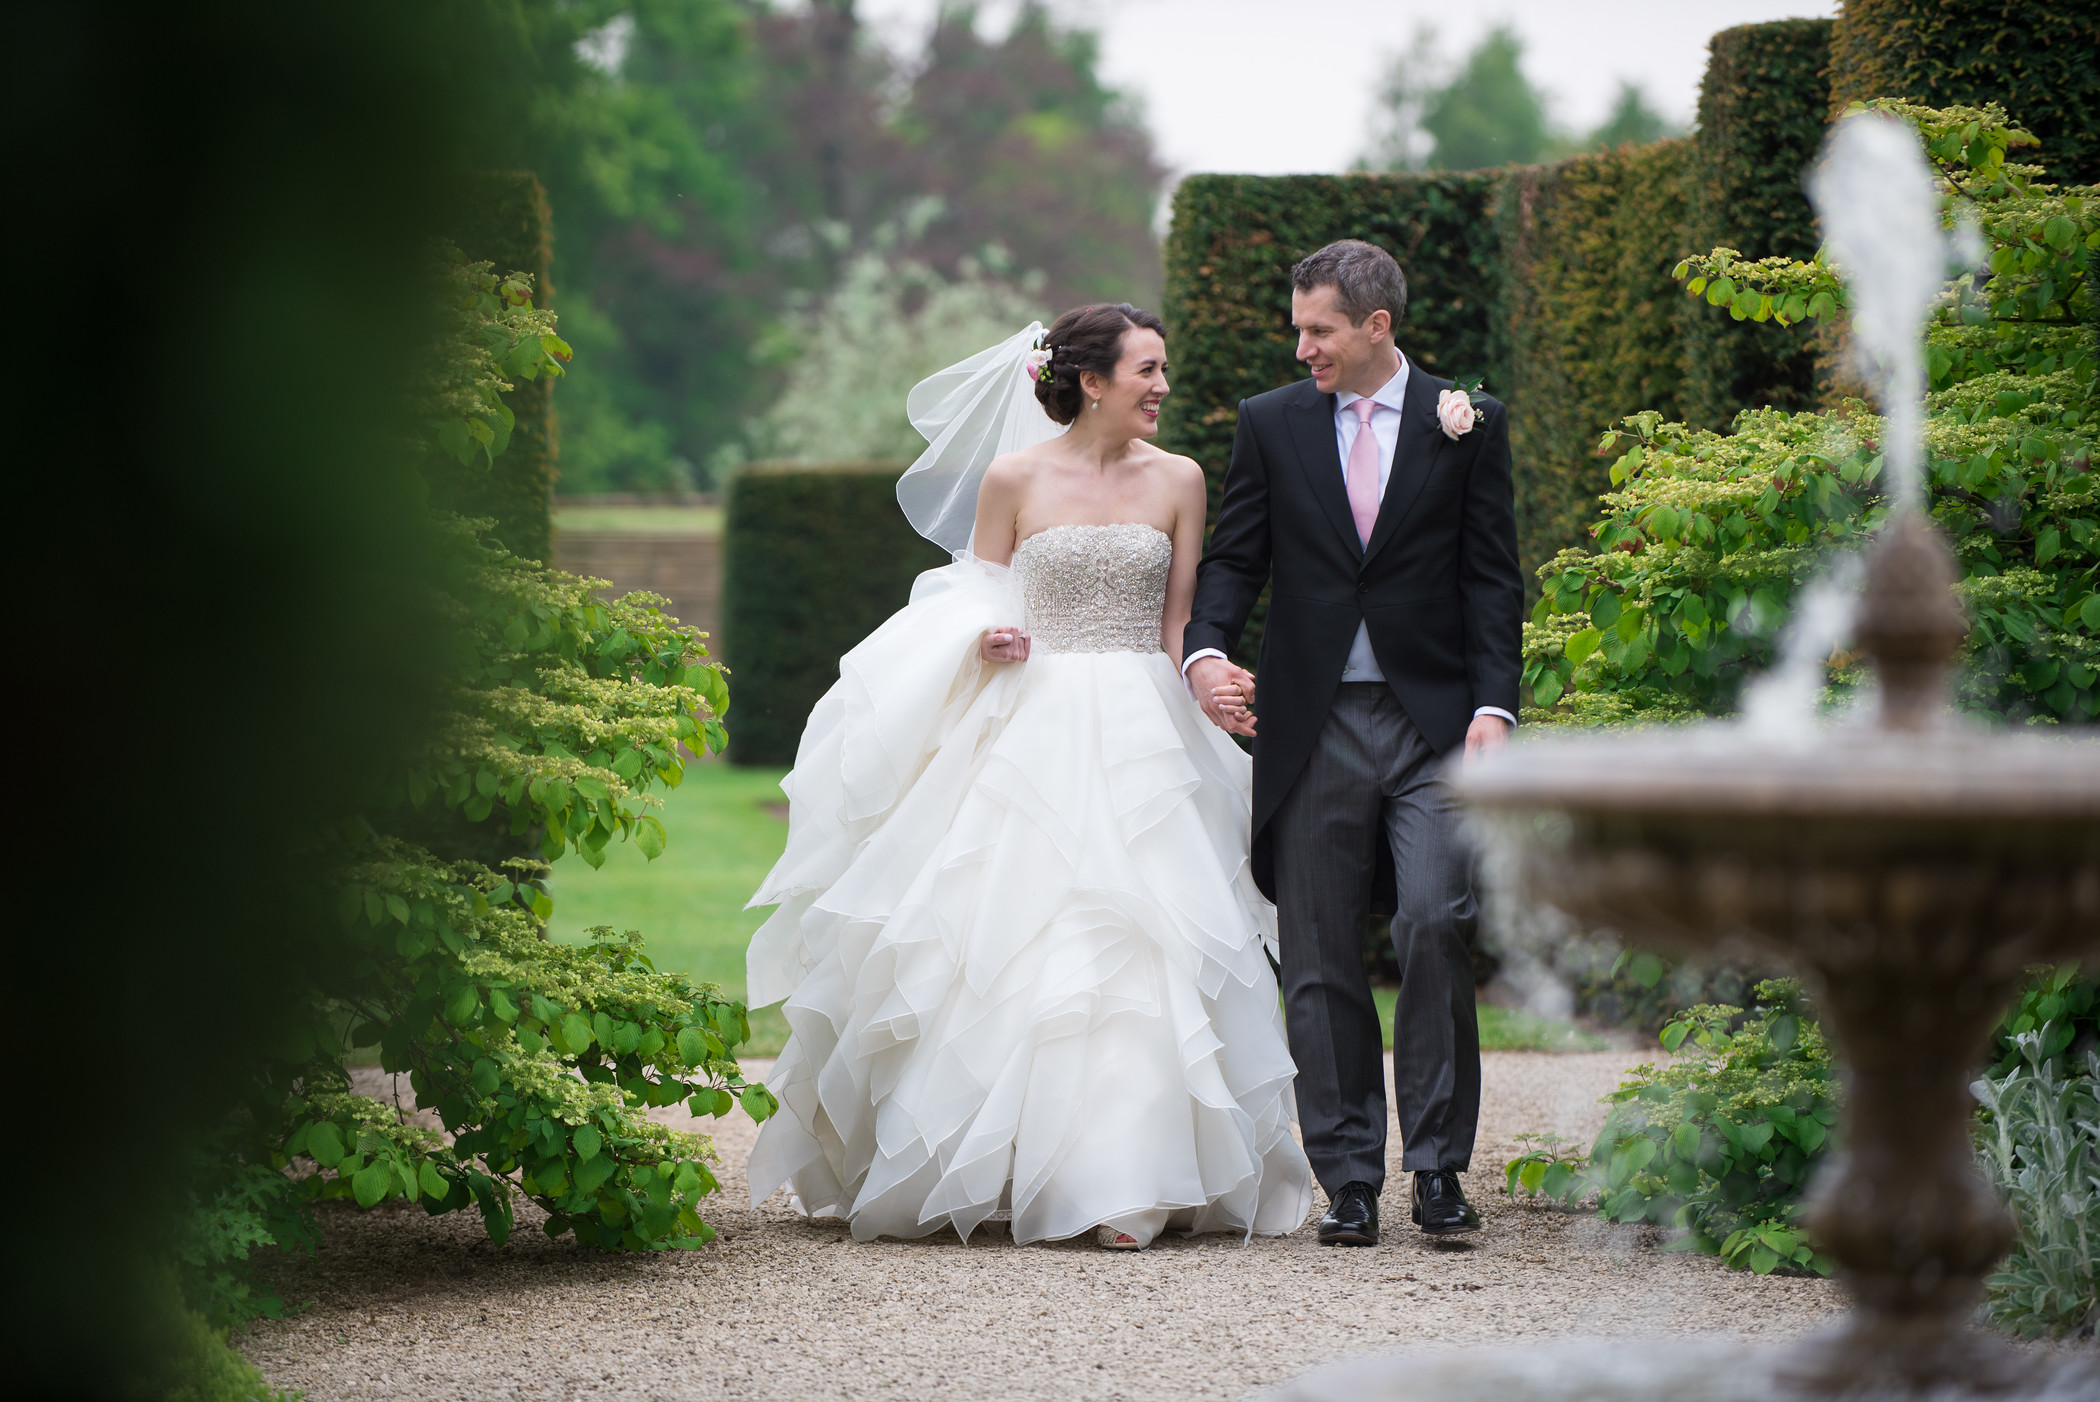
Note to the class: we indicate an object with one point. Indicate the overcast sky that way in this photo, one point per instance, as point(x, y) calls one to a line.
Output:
point(1279, 86)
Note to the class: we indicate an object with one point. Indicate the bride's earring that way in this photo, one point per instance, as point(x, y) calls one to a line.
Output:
point(1097, 404)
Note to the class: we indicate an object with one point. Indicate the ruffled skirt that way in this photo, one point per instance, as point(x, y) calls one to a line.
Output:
point(1021, 949)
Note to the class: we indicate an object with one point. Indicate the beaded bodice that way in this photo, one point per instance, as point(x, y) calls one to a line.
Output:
point(1094, 588)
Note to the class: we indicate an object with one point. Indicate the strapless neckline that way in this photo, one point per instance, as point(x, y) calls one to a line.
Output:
point(1100, 526)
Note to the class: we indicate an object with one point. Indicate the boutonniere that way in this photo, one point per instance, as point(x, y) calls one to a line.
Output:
point(1458, 410)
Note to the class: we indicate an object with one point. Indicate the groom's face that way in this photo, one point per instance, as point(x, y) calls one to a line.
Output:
point(1337, 351)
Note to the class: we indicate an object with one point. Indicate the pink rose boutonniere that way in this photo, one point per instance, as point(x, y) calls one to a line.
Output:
point(1458, 410)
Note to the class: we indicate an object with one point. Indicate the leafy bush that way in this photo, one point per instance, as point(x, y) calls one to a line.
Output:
point(557, 714)
point(814, 559)
point(1718, 1144)
point(2039, 1139)
point(1706, 538)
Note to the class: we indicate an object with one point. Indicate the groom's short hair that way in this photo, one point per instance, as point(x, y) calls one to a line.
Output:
point(1363, 275)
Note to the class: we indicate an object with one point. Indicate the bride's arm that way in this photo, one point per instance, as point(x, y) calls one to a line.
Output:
point(998, 511)
point(992, 539)
point(1190, 504)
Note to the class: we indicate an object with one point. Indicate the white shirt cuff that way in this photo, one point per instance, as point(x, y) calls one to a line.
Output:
point(1496, 711)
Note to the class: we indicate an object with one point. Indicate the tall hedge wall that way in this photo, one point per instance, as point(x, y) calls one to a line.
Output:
point(2035, 57)
point(814, 559)
point(503, 218)
point(1590, 322)
point(1762, 109)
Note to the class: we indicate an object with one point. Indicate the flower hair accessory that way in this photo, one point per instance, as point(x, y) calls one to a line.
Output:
point(1038, 362)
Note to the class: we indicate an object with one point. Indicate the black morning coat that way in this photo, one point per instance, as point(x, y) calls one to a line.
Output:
point(1438, 584)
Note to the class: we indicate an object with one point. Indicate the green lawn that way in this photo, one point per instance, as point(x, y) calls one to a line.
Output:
point(639, 520)
point(689, 902)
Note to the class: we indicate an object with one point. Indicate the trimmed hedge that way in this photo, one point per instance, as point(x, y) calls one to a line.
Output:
point(1590, 244)
point(1763, 105)
point(2036, 58)
point(815, 557)
point(503, 219)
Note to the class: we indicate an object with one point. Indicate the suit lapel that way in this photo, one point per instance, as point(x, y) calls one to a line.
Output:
point(1312, 433)
point(1414, 455)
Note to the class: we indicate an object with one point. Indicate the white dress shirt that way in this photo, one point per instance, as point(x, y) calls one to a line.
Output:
point(1362, 665)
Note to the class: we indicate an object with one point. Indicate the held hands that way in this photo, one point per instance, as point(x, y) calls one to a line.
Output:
point(1003, 645)
point(1225, 692)
point(1486, 735)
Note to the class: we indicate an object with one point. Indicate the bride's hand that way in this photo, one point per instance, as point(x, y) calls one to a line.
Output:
point(1003, 645)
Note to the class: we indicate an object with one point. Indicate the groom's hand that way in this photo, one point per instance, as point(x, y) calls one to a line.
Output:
point(1225, 692)
point(1486, 735)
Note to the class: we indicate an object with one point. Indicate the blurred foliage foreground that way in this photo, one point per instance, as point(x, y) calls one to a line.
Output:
point(557, 714)
point(1708, 536)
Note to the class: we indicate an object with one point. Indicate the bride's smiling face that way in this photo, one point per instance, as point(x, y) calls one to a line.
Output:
point(1130, 401)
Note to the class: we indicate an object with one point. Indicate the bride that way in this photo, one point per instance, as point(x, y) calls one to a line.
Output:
point(1022, 951)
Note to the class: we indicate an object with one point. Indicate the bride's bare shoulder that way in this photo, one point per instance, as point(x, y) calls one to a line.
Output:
point(1175, 468)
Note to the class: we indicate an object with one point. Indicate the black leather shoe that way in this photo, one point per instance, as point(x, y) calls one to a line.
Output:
point(1352, 1218)
point(1440, 1204)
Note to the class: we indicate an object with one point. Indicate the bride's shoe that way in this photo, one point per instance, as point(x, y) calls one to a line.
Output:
point(1109, 1239)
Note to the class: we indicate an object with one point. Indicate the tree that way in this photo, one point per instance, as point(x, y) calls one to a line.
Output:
point(1632, 122)
point(1486, 113)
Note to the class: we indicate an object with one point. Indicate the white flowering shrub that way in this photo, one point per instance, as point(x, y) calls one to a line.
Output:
point(852, 357)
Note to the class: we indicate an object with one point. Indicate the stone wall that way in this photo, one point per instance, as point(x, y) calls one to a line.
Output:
point(686, 569)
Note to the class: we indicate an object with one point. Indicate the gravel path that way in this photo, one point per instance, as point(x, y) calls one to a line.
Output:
point(410, 1306)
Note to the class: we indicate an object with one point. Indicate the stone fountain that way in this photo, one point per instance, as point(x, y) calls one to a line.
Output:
point(1911, 867)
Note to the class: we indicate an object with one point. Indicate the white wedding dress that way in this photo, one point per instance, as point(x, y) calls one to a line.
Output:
point(1021, 948)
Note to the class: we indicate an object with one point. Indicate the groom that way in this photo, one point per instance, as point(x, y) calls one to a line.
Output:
point(1383, 516)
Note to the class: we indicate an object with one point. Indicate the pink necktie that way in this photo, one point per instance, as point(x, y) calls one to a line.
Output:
point(1363, 471)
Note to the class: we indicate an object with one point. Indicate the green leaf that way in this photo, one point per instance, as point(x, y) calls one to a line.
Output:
point(2089, 613)
point(1646, 968)
point(1579, 647)
point(576, 1031)
point(592, 1173)
point(324, 1144)
point(759, 1103)
point(1604, 611)
point(372, 1183)
point(2046, 545)
point(692, 1046)
point(433, 1182)
point(587, 1141)
point(1685, 1140)
point(1786, 1030)
point(649, 835)
point(501, 1005)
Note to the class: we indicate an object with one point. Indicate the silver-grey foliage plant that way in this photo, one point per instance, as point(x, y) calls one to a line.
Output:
point(2039, 1141)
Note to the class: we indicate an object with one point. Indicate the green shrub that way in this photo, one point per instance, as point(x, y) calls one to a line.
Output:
point(1720, 1143)
point(815, 558)
point(557, 713)
point(1763, 104)
point(1697, 554)
point(2034, 59)
point(189, 1358)
point(2039, 1139)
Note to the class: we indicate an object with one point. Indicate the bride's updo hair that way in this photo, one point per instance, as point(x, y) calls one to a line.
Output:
point(1086, 338)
